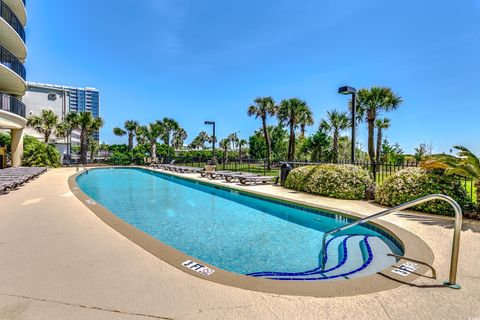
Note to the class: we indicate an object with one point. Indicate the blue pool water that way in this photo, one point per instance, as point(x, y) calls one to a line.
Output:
point(234, 231)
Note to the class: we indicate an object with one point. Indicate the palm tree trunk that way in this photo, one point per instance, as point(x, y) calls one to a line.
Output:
point(371, 133)
point(335, 147)
point(153, 151)
point(46, 137)
point(130, 141)
point(268, 142)
point(291, 143)
point(477, 187)
point(240, 153)
point(83, 146)
point(302, 131)
point(379, 145)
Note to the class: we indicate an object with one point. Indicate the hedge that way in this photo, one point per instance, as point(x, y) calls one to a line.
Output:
point(331, 180)
point(412, 183)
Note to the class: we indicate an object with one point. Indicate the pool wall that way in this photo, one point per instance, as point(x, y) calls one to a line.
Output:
point(413, 247)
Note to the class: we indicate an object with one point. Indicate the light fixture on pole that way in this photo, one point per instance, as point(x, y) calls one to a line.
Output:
point(212, 123)
point(352, 91)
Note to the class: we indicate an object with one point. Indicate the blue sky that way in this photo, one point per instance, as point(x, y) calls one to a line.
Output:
point(207, 60)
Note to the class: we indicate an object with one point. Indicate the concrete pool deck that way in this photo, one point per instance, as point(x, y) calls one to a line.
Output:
point(60, 261)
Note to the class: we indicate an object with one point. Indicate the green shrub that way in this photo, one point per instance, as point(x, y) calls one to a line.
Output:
point(38, 154)
point(412, 183)
point(330, 180)
point(120, 159)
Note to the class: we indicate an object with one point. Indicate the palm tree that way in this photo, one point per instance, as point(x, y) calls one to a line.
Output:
point(130, 127)
point(200, 140)
point(46, 123)
point(170, 126)
point(87, 124)
point(233, 138)
point(263, 108)
point(371, 103)
point(467, 164)
point(151, 134)
point(335, 123)
point(305, 119)
point(179, 137)
point(241, 144)
point(93, 147)
point(65, 129)
point(290, 113)
point(380, 124)
point(224, 144)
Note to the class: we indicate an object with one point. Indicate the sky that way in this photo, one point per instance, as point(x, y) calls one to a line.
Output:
point(203, 60)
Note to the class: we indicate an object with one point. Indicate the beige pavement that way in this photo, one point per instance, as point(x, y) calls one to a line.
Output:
point(59, 261)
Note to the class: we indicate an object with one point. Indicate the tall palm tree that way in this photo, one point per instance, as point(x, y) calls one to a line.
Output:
point(335, 123)
point(151, 134)
point(290, 113)
point(241, 144)
point(65, 129)
point(179, 137)
point(130, 128)
point(380, 124)
point(46, 123)
point(467, 164)
point(233, 138)
point(305, 119)
point(263, 108)
point(371, 103)
point(170, 126)
point(87, 124)
point(224, 144)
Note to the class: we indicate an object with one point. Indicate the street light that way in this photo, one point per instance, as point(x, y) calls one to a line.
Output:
point(350, 90)
point(214, 158)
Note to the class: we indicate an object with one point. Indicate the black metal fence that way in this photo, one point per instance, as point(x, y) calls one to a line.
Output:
point(379, 171)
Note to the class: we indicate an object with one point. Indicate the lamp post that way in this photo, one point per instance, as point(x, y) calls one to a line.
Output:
point(212, 123)
point(350, 90)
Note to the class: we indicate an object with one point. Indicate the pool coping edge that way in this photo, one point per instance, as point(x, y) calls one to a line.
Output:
point(414, 248)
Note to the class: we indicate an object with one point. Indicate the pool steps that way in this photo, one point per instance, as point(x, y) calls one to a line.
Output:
point(347, 257)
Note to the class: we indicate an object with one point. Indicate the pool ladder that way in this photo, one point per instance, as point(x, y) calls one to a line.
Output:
point(451, 283)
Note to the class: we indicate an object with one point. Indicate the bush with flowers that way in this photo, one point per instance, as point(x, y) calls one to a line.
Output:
point(412, 183)
point(332, 180)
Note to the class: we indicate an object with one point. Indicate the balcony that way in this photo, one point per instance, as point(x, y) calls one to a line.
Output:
point(11, 62)
point(9, 16)
point(13, 105)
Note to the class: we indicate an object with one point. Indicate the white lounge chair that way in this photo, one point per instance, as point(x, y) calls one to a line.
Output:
point(258, 179)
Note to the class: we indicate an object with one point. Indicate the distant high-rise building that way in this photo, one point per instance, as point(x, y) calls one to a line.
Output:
point(86, 100)
point(62, 100)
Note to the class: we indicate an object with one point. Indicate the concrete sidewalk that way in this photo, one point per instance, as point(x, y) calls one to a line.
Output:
point(59, 261)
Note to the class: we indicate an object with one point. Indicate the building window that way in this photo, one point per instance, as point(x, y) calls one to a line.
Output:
point(52, 96)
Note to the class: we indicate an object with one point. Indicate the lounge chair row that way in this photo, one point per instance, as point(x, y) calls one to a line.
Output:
point(13, 178)
point(229, 176)
point(242, 177)
point(181, 169)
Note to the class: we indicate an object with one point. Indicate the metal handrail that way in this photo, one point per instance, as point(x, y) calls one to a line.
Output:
point(456, 233)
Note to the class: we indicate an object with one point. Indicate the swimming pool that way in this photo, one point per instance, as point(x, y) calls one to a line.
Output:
point(239, 232)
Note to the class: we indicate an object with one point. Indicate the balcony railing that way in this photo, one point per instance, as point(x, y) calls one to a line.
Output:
point(7, 14)
point(11, 62)
point(13, 105)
